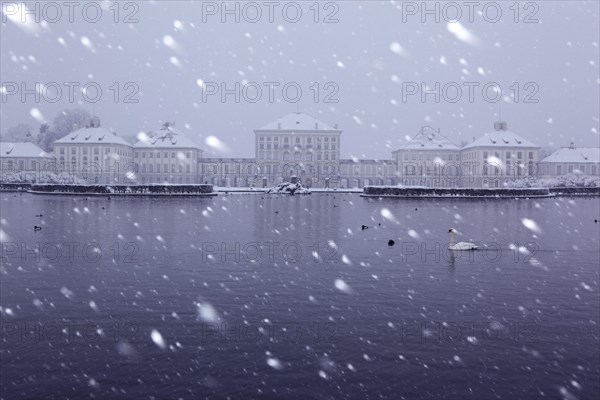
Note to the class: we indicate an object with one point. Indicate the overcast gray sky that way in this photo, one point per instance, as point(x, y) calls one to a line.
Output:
point(372, 56)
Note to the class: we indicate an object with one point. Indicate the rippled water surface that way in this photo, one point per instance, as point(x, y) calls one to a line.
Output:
point(253, 296)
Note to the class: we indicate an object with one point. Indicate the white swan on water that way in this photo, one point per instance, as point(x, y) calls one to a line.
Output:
point(460, 245)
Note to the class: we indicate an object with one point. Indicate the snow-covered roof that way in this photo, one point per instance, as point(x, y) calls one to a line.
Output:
point(298, 121)
point(21, 150)
point(92, 135)
point(500, 137)
point(429, 139)
point(575, 155)
point(166, 137)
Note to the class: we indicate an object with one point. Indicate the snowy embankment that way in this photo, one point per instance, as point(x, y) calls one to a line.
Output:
point(125, 190)
point(246, 190)
point(401, 192)
point(288, 188)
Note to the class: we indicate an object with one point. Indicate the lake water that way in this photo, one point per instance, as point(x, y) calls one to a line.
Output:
point(252, 296)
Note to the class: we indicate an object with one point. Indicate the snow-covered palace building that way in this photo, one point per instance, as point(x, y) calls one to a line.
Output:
point(298, 144)
point(95, 154)
point(494, 159)
point(428, 159)
point(571, 160)
point(498, 157)
point(23, 162)
point(166, 156)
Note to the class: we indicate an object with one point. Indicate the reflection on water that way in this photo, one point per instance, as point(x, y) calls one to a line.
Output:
point(276, 296)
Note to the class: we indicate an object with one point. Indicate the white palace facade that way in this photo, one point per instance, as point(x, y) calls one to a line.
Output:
point(302, 146)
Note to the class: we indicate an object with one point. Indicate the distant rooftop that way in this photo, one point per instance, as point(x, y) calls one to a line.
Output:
point(93, 134)
point(575, 155)
point(500, 137)
point(429, 139)
point(298, 122)
point(21, 150)
point(166, 136)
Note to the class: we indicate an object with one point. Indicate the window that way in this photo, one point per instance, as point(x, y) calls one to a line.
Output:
point(531, 155)
point(157, 167)
point(85, 150)
point(62, 150)
point(150, 168)
point(559, 170)
point(519, 155)
point(570, 169)
point(72, 150)
point(150, 155)
point(136, 155)
point(188, 154)
point(286, 140)
point(143, 154)
point(187, 169)
point(485, 155)
point(297, 140)
point(269, 139)
point(261, 138)
point(297, 156)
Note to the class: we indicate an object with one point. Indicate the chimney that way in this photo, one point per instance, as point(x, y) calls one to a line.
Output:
point(500, 126)
point(279, 125)
point(572, 145)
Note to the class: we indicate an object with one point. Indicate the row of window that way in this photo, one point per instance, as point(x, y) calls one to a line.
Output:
point(95, 150)
point(591, 170)
point(298, 156)
point(431, 156)
point(472, 155)
point(275, 146)
point(297, 139)
point(122, 152)
point(165, 154)
point(150, 168)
